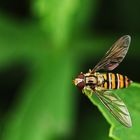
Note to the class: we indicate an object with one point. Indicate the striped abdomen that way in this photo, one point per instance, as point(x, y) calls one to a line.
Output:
point(115, 81)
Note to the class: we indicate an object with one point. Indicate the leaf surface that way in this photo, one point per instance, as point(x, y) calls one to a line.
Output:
point(131, 98)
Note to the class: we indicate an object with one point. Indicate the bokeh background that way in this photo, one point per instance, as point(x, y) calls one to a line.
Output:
point(44, 45)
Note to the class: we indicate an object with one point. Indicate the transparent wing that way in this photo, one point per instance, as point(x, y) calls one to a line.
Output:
point(114, 55)
point(116, 106)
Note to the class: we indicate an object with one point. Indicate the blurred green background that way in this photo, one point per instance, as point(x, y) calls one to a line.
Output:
point(44, 45)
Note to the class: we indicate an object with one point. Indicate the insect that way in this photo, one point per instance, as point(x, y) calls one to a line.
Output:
point(103, 84)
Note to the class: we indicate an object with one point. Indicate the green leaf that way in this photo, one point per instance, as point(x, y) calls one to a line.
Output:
point(131, 97)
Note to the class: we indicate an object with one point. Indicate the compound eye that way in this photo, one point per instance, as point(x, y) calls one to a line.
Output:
point(81, 76)
point(81, 85)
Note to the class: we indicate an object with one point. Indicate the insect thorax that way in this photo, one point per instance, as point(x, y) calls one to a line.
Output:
point(95, 79)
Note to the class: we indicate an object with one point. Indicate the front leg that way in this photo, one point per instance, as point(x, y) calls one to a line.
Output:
point(87, 91)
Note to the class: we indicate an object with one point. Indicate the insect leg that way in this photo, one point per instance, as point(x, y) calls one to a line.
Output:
point(87, 91)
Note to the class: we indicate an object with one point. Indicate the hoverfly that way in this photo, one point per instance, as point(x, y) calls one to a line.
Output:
point(103, 84)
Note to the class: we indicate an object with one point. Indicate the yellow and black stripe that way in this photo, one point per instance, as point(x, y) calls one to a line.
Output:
point(115, 81)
